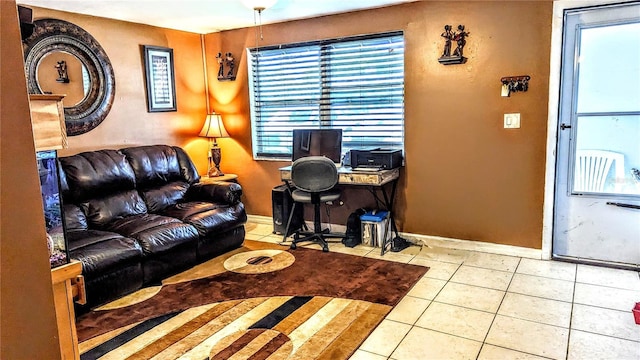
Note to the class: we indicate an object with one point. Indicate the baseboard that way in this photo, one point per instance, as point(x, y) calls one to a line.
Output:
point(259, 219)
point(430, 240)
point(267, 220)
point(471, 245)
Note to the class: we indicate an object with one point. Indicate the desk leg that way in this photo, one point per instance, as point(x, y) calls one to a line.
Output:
point(398, 243)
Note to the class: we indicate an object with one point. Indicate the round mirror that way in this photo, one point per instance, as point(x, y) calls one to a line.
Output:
point(62, 58)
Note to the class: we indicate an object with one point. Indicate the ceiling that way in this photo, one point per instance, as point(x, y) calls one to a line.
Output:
point(205, 16)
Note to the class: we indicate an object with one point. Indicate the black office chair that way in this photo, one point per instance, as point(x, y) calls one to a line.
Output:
point(314, 178)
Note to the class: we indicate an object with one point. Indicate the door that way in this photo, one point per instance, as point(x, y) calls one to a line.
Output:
point(597, 198)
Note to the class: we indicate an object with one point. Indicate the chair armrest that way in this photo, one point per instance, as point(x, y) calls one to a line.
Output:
point(219, 192)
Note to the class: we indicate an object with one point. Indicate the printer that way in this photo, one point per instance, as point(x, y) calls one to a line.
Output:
point(381, 159)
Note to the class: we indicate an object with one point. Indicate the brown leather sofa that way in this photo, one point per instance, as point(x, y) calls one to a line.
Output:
point(137, 215)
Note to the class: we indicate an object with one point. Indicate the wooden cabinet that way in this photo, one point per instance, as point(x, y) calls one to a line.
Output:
point(67, 283)
point(47, 118)
point(49, 133)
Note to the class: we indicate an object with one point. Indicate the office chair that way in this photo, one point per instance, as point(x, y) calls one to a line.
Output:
point(314, 178)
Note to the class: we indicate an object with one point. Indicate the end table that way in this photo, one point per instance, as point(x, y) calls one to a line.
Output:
point(226, 177)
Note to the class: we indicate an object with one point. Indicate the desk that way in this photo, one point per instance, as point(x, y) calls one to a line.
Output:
point(348, 176)
point(376, 180)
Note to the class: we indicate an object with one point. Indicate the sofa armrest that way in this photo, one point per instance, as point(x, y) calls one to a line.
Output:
point(219, 192)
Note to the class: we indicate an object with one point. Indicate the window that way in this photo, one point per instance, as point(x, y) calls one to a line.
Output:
point(355, 84)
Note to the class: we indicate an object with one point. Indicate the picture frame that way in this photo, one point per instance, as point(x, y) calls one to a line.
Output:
point(160, 79)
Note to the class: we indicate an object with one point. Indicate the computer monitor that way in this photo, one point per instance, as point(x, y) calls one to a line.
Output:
point(317, 142)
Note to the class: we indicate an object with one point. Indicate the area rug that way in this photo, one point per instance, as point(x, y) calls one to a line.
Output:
point(259, 302)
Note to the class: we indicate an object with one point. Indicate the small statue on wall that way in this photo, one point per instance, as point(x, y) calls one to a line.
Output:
point(448, 36)
point(460, 38)
point(220, 65)
point(230, 62)
point(226, 61)
point(63, 76)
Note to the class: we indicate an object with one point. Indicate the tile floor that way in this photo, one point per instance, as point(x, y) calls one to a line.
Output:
point(473, 305)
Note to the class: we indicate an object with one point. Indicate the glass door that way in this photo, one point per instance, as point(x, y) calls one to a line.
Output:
point(597, 208)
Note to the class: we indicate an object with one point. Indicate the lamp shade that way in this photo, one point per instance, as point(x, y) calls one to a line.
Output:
point(258, 4)
point(213, 127)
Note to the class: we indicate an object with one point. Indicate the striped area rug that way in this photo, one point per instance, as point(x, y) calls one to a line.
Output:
point(279, 312)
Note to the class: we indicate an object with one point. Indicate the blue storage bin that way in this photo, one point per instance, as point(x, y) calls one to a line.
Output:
point(375, 228)
point(380, 215)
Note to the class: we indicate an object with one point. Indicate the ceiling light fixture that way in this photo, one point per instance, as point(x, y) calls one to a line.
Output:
point(258, 6)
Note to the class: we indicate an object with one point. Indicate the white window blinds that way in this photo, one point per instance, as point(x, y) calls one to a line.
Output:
point(355, 84)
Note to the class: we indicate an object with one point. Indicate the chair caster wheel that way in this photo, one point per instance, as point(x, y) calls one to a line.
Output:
point(325, 249)
point(293, 246)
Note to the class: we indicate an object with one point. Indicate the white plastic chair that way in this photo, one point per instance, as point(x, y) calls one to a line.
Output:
point(592, 168)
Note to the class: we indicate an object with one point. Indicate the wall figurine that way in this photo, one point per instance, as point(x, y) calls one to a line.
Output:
point(63, 76)
point(460, 38)
point(227, 66)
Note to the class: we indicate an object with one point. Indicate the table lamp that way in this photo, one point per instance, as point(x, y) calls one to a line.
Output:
point(214, 128)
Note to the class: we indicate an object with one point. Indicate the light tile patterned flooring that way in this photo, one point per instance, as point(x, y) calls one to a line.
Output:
point(473, 305)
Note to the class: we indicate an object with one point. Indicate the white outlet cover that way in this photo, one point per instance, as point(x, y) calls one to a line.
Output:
point(512, 121)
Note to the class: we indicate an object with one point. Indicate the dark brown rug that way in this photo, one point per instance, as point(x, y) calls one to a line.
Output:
point(308, 303)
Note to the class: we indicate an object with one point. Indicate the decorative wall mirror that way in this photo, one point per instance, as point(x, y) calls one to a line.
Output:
point(58, 49)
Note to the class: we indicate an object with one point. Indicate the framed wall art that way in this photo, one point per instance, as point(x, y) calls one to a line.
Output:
point(159, 71)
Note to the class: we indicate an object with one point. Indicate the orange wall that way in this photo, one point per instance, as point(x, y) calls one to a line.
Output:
point(27, 316)
point(128, 123)
point(465, 177)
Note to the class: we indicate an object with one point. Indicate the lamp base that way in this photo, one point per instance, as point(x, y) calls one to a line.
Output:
point(214, 162)
point(213, 172)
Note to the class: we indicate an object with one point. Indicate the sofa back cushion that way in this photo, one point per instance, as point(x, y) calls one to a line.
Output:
point(187, 167)
point(102, 211)
point(163, 174)
point(95, 174)
point(153, 165)
point(161, 197)
point(74, 218)
point(157, 165)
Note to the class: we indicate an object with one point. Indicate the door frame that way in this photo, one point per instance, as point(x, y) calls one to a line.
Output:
point(555, 67)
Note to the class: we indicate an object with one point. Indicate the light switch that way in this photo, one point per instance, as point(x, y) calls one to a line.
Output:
point(512, 121)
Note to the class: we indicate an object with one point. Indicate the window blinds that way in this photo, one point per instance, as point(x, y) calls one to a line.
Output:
point(355, 84)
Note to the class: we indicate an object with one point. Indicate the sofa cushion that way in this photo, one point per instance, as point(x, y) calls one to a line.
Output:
point(220, 192)
point(102, 251)
point(95, 174)
point(155, 233)
point(102, 211)
point(209, 218)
